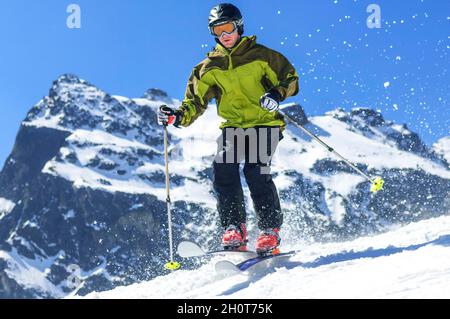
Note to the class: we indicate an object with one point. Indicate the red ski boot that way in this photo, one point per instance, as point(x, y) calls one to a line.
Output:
point(235, 238)
point(268, 242)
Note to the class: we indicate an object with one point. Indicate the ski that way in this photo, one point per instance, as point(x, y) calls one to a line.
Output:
point(226, 266)
point(188, 248)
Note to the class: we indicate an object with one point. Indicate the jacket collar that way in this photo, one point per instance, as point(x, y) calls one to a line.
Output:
point(243, 46)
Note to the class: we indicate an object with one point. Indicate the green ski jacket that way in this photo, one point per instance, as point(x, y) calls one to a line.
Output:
point(237, 79)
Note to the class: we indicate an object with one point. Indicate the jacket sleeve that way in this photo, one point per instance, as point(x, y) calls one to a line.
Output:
point(196, 99)
point(282, 74)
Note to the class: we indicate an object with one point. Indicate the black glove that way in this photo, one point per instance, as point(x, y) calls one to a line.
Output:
point(271, 100)
point(168, 116)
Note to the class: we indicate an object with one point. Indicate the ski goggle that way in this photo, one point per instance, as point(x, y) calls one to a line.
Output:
point(228, 28)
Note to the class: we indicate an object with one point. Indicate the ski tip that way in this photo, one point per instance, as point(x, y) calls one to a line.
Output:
point(188, 248)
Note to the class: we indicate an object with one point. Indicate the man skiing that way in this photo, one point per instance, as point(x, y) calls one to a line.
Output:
point(248, 82)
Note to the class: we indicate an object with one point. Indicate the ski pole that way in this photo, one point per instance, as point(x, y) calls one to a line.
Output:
point(171, 265)
point(376, 182)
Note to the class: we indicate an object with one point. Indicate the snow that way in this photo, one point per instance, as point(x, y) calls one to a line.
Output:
point(104, 138)
point(149, 168)
point(31, 224)
point(154, 105)
point(375, 152)
point(443, 147)
point(121, 99)
point(412, 261)
point(70, 214)
point(47, 121)
point(336, 206)
point(6, 206)
point(31, 273)
point(343, 182)
point(136, 206)
point(81, 275)
point(195, 192)
point(84, 177)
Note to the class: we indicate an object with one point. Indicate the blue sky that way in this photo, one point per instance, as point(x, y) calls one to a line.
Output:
point(126, 47)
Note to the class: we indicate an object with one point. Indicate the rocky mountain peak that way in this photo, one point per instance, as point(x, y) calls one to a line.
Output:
point(370, 116)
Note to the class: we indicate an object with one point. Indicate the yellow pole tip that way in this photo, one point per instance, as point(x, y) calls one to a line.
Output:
point(172, 265)
point(377, 184)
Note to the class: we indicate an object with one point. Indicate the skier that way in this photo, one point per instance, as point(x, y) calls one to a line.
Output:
point(248, 81)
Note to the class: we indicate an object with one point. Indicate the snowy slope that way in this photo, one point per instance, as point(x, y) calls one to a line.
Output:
point(408, 262)
point(6, 206)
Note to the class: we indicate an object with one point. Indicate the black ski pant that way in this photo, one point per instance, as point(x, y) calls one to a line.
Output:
point(227, 182)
